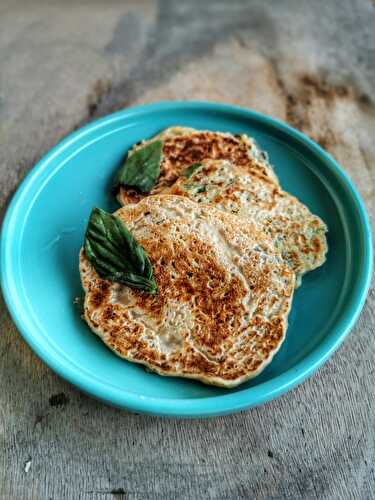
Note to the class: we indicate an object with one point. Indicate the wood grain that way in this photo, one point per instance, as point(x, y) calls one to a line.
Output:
point(308, 63)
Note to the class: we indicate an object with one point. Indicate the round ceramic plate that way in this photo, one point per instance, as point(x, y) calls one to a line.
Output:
point(44, 229)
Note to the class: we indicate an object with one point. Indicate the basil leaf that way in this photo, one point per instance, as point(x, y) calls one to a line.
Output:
point(189, 171)
point(115, 253)
point(141, 168)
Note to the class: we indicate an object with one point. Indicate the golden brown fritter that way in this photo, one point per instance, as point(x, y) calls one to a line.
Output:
point(224, 294)
point(184, 146)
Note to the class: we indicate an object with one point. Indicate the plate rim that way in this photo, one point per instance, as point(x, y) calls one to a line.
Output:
point(190, 407)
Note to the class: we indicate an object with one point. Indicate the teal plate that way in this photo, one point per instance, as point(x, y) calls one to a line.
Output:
point(43, 231)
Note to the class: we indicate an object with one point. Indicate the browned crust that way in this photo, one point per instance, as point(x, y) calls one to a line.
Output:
point(222, 315)
point(182, 147)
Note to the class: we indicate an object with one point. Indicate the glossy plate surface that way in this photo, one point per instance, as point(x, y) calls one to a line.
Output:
point(44, 228)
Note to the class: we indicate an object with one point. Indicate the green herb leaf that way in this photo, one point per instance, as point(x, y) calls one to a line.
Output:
point(115, 253)
point(195, 188)
point(189, 171)
point(141, 168)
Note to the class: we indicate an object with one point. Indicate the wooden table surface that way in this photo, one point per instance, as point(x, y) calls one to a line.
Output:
point(311, 64)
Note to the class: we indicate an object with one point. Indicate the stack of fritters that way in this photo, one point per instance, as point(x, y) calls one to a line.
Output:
point(228, 246)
